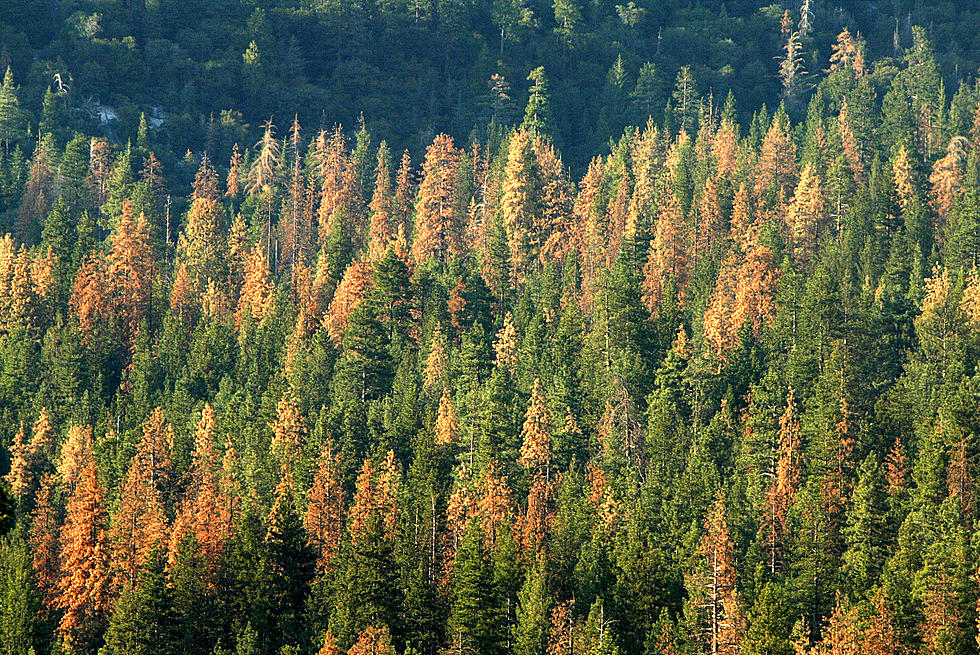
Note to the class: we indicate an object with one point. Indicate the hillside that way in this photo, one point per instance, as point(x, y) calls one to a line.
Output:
point(333, 347)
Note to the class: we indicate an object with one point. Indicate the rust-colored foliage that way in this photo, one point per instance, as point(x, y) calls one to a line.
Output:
point(139, 523)
point(289, 433)
point(325, 509)
point(19, 477)
point(667, 260)
point(90, 294)
point(436, 361)
point(561, 636)
point(776, 170)
point(183, 298)
point(842, 635)
point(201, 246)
point(848, 53)
point(353, 288)
point(724, 148)
point(201, 513)
point(341, 205)
point(233, 183)
point(256, 295)
point(506, 345)
point(903, 170)
point(720, 602)
point(806, 215)
point(43, 539)
point(376, 493)
point(881, 634)
point(536, 433)
point(534, 524)
point(76, 453)
point(29, 460)
point(947, 181)
point(446, 426)
point(382, 228)
point(403, 203)
point(439, 210)
point(895, 468)
point(83, 590)
point(519, 205)
point(329, 646)
point(553, 223)
point(744, 295)
point(783, 485)
point(130, 270)
point(373, 641)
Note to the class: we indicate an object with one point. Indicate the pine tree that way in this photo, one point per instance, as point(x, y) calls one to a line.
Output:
point(139, 524)
point(791, 71)
point(536, 433)
point(200, 509)
point(561, 636)
point(446, 426)
point(783, 486)
point(685, 99)
point(537, 113)
point(719, 596)
point(43, 540)
point(263, 175)
point(438, 207)
point(256, 297)
point(946, 182)
point(474, 617)
point(353, 288)
point(382, 228)
point(373, 641)
point(292, 564)
point(131, 270)
point(533, 611)
point(848, 53)
point(521, 205)
point(506, 345)
point(806, 215)
point(325, 507)
point(76, 454)
point(201, 245)
point(142, 621)
point(11, 125)
point(18, 479)
point(39, 191)
point(776, 171)
point(83, 590)
point(289, 434)
point(20, 611)
point(89, 298)
point(666, 265)
point(864, 532)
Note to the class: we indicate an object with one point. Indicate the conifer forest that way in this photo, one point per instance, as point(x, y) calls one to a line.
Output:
point(489, 327)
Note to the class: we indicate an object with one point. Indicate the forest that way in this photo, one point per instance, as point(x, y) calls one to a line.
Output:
point(446, 327)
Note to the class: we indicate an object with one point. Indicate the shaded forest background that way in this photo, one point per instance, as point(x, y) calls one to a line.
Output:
point(416, 68)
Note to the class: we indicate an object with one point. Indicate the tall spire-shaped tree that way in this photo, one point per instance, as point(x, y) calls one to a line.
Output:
point(325, 509)
point(10, 112)
point(536, 433)
point(520, 204)
point(83, 591)
point(439, 208)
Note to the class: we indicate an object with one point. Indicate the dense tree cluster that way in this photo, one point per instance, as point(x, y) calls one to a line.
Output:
point(718, 395)
point(210, 71)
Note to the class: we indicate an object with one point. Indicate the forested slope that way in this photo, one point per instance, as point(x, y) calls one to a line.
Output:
point(314, 394)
